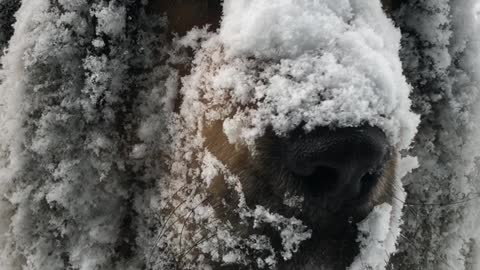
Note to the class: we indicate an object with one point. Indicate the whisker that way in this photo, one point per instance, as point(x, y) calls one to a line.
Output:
point(161, 231)
point(186, 218)
point(194, 245)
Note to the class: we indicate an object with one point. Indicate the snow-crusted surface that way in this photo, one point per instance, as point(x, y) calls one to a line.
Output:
point(98, 172)
point(68, 186)
point(320, 63)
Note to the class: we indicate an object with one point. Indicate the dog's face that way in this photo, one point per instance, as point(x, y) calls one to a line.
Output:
point(259, 179)
point(328, 179)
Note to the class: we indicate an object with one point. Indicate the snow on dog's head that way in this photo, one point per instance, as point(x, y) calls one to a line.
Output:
point(320, 63)
point(288, 133)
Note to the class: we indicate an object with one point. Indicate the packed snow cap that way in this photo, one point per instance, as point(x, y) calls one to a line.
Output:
point(312, 63)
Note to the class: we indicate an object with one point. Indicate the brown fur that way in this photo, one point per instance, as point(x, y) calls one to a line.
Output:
point(183, 15)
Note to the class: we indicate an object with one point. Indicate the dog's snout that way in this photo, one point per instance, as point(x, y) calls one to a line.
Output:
point(342, 163)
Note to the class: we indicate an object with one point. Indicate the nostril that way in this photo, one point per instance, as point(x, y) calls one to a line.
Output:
point(367, 182)
point(322, 179)
point(368, 178)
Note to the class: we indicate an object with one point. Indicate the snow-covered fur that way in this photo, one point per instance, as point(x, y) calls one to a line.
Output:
point(103, 166)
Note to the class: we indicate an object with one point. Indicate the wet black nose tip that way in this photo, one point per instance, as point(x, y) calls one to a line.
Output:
point(342, 162)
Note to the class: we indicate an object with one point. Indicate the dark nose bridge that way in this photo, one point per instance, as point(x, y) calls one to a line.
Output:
point(332, 161)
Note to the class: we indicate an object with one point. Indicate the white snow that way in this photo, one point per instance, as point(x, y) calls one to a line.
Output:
point(111, 20)
point(320, 63)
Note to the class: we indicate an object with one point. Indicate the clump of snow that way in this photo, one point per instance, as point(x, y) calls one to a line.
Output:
point(293, 201)
point(292, 231)
point(379, 232)
point(317, 63)
point(282, 29)
point(111, 19)
point(373, 233)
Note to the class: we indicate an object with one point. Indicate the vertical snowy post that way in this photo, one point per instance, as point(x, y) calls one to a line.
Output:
point(67, 93)
point(440, 54)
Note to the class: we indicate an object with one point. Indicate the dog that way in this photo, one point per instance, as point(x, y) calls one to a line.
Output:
point(313, 184)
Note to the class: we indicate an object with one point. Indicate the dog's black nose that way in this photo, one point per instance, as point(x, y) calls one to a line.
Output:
point(341, 163)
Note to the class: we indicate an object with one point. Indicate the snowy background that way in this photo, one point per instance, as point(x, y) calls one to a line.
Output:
point(93, 158)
